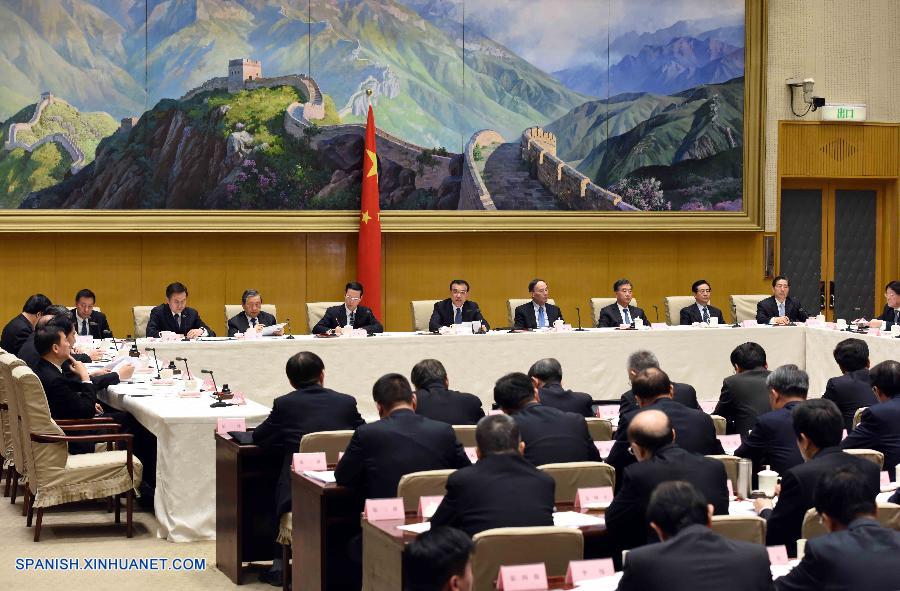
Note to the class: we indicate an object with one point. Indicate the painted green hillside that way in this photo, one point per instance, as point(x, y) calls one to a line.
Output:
point(87, 129)
point(22, 172)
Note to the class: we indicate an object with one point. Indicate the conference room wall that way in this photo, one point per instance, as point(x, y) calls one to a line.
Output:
point(126, 270)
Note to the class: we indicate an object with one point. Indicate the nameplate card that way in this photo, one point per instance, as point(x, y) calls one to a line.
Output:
point(608, 411)
point(875, 332)
point(729, 442)
point(777, 555)
point(522, 577)
point(473, 455)
point(495, 411)
point(238, 398)
point(599, 496)
point(89, 339)
point(384, 509)
point(223, 426)
point(885, 478)
point(207, 385)
point(749, 323)
point(843, 434)
point(309, 461)
point(708, 406)
point(604, 447)
point(730, 488)
point(428, 505)
point(585, 570)
point(659, 326)
point(340, 455)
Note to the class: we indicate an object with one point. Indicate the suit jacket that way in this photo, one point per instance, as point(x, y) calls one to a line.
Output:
point(879, 428)
point(864, 556)
point(772, 441)
point(524, 316)
point(556, 396)
point(691, 314)
point(161, 319)
point(768, 308)
point(96, 324)
point(743, 399)
point(30, 356)
point(337, 316)
point(887, 315)
point(694, 431)
point(697, 558)
point(626, 516)
point(307, 410)
point(684, 393)
point(239, 322)
point(500, 490)
point(610, 316)
point(67, 399)
point(14, 334)
point(448, 406)
point(443, 314)
point(797, 486)
point(551, 435)
point(380, 453)
point(850, 392)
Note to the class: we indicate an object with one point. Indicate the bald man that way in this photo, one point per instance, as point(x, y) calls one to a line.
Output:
point(653, 442)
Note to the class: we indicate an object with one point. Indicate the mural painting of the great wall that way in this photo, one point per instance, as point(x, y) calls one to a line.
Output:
point(260, 104)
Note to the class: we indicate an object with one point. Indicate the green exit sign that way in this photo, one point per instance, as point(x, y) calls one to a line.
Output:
point(842, 112)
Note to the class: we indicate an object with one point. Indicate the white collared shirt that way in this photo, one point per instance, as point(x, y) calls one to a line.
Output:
point(622, 311)
point(347, 311)
point(79, 320)
point(250, 320)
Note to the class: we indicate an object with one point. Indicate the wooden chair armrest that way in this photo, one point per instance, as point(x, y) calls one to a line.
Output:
point(4, 406)
point(126, 438)
point(98, 427)
point(91, 420)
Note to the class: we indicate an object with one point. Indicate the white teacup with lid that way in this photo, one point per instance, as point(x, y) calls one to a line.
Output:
point(768, 480)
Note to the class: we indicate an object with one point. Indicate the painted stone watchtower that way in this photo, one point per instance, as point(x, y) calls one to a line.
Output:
point(241, 70)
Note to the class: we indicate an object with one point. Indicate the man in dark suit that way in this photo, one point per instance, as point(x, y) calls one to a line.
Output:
point(538, 313)
point(780, 309)
point(691, 556)
point(252, 315)
point(547, 376)
point(852, 390)
point(337, 318)
point(745, 395)
point(550, 435)
point(435, 401)
point(439, 559)
point(456, 309)
point(89, 322)
point(175, 316)
point(621, 312)
point(641, 360)
point(858, 553)
point(694, 428)
point(67, 399)
point(891, 313)
point(502, 489)
point(818, 426)
point(772, 441)
point(380, 453)
point(659, 459)
point(701, 311)
point(17, 330)
point(879, 427)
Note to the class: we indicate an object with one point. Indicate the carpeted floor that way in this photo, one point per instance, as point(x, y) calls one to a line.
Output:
point(86, 531)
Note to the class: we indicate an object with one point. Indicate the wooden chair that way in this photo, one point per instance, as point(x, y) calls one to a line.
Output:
point(554, 546)
point(857, 416)
point(720, 423)
point(141, 315)
point(600, 429)
point(743, 307)
point(232, 310)
point(315, 311)
point(330, 442)
point(813, 527)
point(731, 467)
point(427, 483)
point(514, 303)
point(570, 476)
point(745, 528)
point(874, 456)
point(598, 304)
point(421, 314)
point(674, 305)
point(465, 435)
point(15, 461)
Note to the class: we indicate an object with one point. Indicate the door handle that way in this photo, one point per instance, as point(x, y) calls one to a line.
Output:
point(821, 295)
point(831, 297)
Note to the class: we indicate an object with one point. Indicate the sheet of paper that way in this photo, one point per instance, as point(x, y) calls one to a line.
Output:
point(323, 475)
point(268, 331)
point(605, 584)
point(741, 508)
point(416, 528)
point(575, 519)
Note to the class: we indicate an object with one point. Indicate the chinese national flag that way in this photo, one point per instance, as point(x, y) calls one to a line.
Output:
point(368, 260)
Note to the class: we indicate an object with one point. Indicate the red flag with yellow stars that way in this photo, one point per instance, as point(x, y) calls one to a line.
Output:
point(368, 259)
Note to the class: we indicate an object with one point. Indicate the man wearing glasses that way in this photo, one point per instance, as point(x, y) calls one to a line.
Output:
point(701, 311)
point(338, 318)
point(456, 309)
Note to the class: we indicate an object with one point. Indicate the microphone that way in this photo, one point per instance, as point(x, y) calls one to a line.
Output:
point(475, 314)
point(133, 352)
point(212, 377)
point(656, 308)
point(578, 313)
point(186, 368)
point(734, 315)
point(219, 403)
point(155, 361)
point(287, 329)
point(107, 334)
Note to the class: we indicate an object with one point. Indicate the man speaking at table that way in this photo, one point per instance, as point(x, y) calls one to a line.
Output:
point(251, 302)
point(456, 309)
point(538, 313)
point(337, 318)
point(621, 312)
point(701, 310)
point(88, 321)
point(175, 316)
point(780, 309)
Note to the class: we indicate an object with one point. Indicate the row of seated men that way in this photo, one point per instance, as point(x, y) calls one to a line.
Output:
point(174, 315)
point(658, 439)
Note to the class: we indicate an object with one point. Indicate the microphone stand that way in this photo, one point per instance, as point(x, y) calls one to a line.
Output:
point(155, 362)
point(108, 334)
point(656, 309)
point(219, 403)
point(287, 325)
point(186, 368)
point(578, 313)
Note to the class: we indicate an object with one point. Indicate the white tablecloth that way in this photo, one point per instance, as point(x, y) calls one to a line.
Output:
point(185, 501)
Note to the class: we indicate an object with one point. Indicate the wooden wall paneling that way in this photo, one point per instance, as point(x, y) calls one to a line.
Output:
point(576, 266)
point(330, 264)
point(815, 149)
point(28, 268)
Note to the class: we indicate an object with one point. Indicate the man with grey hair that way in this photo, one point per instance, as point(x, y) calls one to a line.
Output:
point(252, 316)
point(641, 360)
point(772, 440)
point(547, 377)
point(435, 401)
point(502, 489)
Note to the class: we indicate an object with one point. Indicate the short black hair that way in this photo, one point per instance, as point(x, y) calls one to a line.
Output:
point(894, 286)
point(533, 283)
point(620, 282)
point(851, 354)
point(434, 557)
point(820, 420)
point(64, 321)
point(85, 293)
point(497, 434)
point(47, 336)
point(886, 376)
point(642, 359)
point(355, 286)
point(249, 293)
point(57, 310)
point(650, 440)
point(748, 356)
point(304, 369)
point(173, 288)
point(36, 304)
point(392, 389)
point(427, 372)
point(513, 390)
point(779, 278)
point(675, 505)
point(546, 370)
point(696, 285)
point(844, 495)
point(459, 282)
point(789, 380)
point(651, 383)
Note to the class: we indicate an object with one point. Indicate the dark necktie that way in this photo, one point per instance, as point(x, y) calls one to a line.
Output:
point(704, 315)
point(626, 317)
point(542, 318)
point(352, 318)
point(896, 316)
point(457, 319)
point(178, 321)
point(253, 322)
point(84, 327)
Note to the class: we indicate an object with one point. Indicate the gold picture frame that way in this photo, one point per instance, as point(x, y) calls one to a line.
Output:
point(751, 218)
